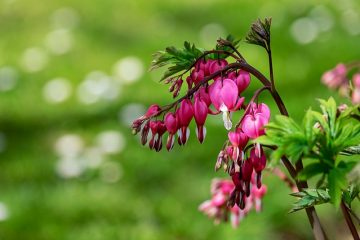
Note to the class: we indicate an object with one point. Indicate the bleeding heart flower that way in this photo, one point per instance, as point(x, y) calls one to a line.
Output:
point(224, 96)
point(263, 109)
point(247, 170)
point(258, 194)
point(184, 115)
point(197, 75)
point(200, 113)
point(203, 94)
point(241, 78)
point(238, 140)
point(217, 65)
point(258, 159)
point(158, 129)
point(254, 121)
point(172, 127)
point(220, 208)
point(152, 111)
point(145, 132)
point(253, 125)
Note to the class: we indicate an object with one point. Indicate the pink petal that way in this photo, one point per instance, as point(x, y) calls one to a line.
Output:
point(214, 92)
point(229, 93)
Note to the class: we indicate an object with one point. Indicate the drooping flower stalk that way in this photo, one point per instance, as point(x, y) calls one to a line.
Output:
point(216, 83)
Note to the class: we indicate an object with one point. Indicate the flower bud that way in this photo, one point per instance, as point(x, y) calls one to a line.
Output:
point(145, 132)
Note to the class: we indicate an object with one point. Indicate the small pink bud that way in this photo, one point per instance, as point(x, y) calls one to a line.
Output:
point(220, 159)
point(355, 97)
point(152, 111)
point(335, 77)
point(356, 80)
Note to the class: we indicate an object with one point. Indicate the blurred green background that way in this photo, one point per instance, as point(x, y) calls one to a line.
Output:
point(73, 76)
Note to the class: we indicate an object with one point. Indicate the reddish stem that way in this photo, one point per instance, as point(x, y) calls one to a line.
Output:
point(349, 221)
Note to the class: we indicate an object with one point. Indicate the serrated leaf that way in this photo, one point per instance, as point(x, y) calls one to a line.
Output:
point(323, 194)
point(309, 198)
point(178, 59)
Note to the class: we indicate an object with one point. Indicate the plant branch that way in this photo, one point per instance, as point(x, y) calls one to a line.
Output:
point(271, 68)
point(237, 65)
point(349, 221)
point(314, 220)
point(353, 214)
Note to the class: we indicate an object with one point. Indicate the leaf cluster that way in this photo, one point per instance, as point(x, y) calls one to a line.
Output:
point(178, 59)
point(321, 139)
point(182, 59)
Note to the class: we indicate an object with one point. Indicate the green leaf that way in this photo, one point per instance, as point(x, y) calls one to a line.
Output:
point(353, 150)
point(178, 59)
point(312, 170)
point(309, 198)
point(337, 182)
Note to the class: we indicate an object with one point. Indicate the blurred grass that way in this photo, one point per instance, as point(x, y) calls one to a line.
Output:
point(158, 193)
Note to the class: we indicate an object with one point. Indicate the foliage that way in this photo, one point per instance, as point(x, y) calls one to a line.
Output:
point(321, 139)
point(180, 59)
point(183, 59)
point(310, 197)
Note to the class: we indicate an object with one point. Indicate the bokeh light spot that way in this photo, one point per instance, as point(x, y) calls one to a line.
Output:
point(34, 59)
point(304, 30)
point(129, 69)
point(8, 78)
point(57, 90)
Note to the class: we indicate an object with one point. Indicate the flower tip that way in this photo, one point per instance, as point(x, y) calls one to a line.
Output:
point(227, 120)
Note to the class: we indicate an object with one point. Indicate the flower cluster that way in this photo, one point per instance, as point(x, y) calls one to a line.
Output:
point(337, 78)
point(245, 170)
point(219, 209)
point(212, 90)
point(222, 95)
